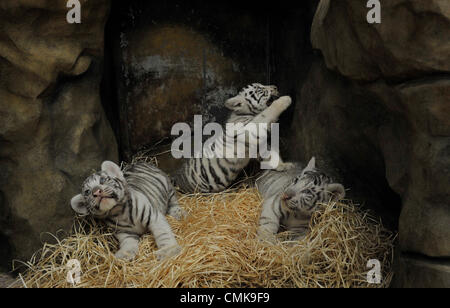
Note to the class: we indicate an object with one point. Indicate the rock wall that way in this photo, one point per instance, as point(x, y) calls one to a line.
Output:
point(384, 112)
point(53, 130)
point(409, 43)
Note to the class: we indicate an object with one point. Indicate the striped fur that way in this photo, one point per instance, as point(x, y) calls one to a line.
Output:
point(211, 175)
point(291, 197)
point(133, 202)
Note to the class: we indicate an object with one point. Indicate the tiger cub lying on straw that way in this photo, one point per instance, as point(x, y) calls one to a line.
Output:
point(252, 105)
point(290, 199)
point(133, 202)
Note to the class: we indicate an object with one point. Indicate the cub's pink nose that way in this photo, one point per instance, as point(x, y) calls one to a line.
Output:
point(98, 193)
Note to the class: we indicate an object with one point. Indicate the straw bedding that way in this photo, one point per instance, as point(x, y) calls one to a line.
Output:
point(220, 249)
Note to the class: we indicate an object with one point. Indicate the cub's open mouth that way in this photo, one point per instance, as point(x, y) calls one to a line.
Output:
point(101, 199)
point(288, 207)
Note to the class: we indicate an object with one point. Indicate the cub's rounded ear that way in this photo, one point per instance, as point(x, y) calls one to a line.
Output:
point(79, 205)
point(112, 169)
point(337, 190)
point(235, 102)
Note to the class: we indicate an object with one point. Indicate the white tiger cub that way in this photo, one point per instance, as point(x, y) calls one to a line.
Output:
point(251, 105)
point(133, 202)
point(290, 199)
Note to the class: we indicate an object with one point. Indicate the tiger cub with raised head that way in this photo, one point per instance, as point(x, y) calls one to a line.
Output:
point(252, 105)
point(290, 199)
point(133, 202)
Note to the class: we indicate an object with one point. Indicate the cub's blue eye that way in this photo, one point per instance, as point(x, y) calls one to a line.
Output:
point(87, 192)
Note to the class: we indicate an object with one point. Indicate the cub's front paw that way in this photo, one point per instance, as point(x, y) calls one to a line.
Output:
point(126, 255)
point(285, 167)
point(168, 252)
point(283, 102)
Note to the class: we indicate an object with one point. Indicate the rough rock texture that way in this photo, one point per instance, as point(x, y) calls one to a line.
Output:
point(53, 130)
point(421, 175)
point(177, 60)
point(411, 41)
point(404, 63)
point(419, 272)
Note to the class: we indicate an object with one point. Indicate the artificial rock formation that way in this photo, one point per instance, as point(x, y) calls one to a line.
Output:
point(408, 43)
point(404, 65)
point(53, 130)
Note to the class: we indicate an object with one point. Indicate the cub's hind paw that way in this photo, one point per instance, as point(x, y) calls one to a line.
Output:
point(125, 255)
point(178, 213)
point(168, 252)
point(285, 167)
